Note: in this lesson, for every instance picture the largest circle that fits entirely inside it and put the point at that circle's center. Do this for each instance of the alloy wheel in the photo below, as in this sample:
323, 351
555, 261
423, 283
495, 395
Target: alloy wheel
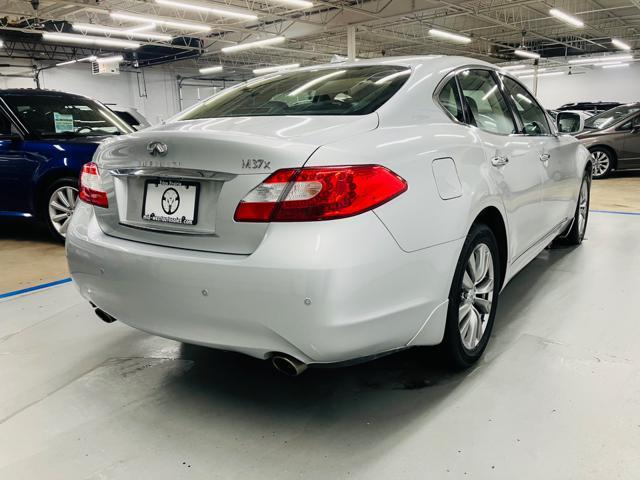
583, 207
61, 205
601, 162
476, 296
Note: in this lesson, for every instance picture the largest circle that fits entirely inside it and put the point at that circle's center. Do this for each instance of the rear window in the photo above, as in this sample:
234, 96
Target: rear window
326, 91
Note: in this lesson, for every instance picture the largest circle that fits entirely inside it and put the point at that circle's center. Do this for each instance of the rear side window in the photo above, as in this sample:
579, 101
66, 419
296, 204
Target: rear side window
325, 91
450, 100
533, 117
486, 104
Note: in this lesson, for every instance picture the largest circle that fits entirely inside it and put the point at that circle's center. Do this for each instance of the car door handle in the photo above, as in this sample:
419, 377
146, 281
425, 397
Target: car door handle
545, 157
499, 161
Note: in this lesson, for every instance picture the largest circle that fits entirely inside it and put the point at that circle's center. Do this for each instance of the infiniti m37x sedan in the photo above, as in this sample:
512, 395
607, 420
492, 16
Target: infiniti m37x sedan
330, 213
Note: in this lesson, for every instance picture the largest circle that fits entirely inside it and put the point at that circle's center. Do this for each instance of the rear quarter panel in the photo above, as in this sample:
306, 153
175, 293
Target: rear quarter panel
420, 218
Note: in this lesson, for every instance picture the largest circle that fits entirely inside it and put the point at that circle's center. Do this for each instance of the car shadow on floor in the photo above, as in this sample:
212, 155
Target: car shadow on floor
18, 229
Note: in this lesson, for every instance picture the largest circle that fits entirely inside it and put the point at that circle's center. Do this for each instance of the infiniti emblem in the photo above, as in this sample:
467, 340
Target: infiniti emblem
157, 149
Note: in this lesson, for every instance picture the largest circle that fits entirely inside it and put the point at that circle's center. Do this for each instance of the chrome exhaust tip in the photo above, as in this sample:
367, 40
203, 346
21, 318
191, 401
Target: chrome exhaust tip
288, 365
104, 316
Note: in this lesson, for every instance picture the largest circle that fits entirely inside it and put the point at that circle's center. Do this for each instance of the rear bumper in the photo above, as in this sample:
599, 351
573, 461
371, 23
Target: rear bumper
330, 292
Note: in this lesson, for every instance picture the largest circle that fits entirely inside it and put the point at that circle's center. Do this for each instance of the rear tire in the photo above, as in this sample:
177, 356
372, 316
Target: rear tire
602, 160
59, 201
578, 227
473, 298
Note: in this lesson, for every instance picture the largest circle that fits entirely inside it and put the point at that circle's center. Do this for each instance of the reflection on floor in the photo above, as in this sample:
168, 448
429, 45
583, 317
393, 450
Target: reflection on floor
555, 397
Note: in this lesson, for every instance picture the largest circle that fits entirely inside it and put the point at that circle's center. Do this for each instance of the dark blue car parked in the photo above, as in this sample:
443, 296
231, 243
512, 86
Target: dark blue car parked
45, 139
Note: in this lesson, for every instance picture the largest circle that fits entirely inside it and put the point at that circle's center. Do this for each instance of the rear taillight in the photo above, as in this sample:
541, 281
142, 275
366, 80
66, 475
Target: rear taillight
319, 193
91, 186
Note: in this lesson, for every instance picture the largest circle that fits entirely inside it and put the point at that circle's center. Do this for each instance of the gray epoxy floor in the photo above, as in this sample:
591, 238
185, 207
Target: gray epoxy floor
557, 395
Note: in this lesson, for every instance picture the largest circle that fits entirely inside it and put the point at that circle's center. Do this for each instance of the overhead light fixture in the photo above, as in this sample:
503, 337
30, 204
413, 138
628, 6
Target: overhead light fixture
180, 25
548, 74
196, 7
525, 53
91, 28
620, 44
88, 40
294, 3
614, 65
112, 59
565, 17
531, 70
258, 44
217, 68
597, 60
91, 58
142, 28
276, 68
453, 37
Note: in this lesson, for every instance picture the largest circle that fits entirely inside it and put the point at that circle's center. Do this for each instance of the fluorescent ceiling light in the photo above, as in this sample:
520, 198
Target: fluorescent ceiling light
565, 17
523, 98
294, 3
525, 53
595, 60
216, 68
91, 28
276, 68
620, 44
112, 59
91, 58
196, 7
390, 77
615, 65
196, 27
434, 32
549, 74
258, 44
142, 28
315, 81
87, 40
531, 70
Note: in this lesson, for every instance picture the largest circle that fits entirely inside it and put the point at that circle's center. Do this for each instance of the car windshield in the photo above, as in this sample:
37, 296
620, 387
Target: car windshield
610, 117
58, 115
326, 91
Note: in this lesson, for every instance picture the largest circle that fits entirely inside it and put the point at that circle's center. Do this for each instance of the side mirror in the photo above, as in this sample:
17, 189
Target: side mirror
569, 122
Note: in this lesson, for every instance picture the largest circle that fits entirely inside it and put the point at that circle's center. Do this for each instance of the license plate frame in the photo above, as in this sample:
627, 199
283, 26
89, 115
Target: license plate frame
170, 218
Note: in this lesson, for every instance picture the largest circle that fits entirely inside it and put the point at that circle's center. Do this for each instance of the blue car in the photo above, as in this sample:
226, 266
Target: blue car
45, 139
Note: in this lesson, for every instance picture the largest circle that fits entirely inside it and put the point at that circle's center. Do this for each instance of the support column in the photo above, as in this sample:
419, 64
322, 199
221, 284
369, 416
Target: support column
351, 42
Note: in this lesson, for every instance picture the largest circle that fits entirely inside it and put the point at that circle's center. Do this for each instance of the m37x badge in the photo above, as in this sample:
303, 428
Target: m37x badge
157, 149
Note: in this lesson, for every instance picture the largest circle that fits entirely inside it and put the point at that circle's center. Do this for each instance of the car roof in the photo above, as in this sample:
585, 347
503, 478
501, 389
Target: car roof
35, 92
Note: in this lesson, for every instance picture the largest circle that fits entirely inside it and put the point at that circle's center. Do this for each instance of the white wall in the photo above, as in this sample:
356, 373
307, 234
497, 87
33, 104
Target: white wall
161, 88
614, 84
160, 103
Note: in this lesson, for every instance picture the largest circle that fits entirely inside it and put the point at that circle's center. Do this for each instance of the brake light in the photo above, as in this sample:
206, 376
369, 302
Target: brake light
319, 193
91, 186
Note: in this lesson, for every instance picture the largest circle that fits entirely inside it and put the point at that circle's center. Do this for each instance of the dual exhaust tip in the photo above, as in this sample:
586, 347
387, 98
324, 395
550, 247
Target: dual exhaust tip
283, 363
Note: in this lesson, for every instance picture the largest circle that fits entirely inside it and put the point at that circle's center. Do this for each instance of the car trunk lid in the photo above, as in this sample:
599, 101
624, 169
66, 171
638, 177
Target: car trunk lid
223, 158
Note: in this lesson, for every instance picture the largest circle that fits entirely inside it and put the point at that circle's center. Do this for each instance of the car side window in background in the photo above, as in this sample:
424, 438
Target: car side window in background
532, 115
486, 104
450, 100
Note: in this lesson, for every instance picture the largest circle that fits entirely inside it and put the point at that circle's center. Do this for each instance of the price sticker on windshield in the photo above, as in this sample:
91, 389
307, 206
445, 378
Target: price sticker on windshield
63, 122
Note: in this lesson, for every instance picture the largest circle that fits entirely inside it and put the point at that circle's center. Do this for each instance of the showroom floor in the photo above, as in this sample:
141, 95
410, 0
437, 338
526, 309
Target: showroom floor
555, 396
